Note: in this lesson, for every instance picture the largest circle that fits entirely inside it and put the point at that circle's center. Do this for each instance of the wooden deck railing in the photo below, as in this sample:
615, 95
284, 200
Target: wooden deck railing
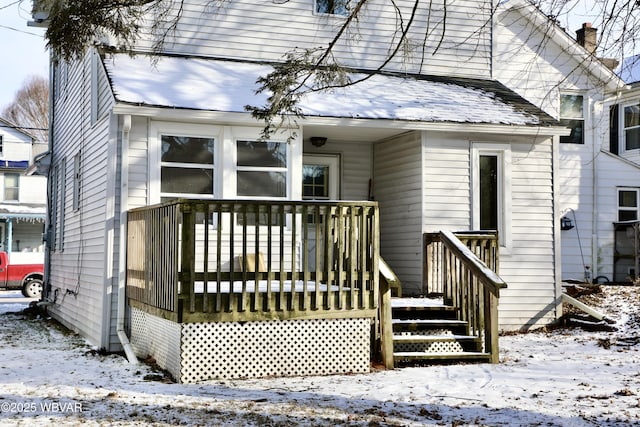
226, 260
462, 267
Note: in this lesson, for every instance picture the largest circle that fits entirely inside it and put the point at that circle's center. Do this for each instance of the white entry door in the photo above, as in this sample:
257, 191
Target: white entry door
321, 177
320, 181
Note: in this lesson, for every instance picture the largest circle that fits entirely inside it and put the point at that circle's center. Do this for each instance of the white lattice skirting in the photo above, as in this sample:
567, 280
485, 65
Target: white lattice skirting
194, 352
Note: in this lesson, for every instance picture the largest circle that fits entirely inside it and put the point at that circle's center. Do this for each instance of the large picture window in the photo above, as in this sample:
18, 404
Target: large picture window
631, 127
187, 167
261, 169
572, 116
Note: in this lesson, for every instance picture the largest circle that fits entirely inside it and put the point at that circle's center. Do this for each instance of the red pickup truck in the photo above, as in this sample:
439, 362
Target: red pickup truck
17, 275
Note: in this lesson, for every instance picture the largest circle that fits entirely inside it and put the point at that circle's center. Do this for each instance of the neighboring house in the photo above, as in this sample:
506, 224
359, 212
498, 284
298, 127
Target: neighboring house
462, 137
599, 165
22, 198
618, 225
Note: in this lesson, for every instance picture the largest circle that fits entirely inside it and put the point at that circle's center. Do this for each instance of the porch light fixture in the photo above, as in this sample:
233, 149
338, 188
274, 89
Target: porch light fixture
566, 223
318, 141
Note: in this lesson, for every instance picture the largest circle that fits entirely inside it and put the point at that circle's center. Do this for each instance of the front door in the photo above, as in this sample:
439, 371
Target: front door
320, 181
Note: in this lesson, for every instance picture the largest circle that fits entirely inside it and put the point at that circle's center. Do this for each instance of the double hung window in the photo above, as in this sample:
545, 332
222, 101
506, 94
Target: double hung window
631, 127
261, 169
572, 116
187, 167
628, 204
11, 187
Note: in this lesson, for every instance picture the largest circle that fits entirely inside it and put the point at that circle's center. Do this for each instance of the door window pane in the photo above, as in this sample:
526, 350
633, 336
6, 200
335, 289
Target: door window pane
315, 182
489, 192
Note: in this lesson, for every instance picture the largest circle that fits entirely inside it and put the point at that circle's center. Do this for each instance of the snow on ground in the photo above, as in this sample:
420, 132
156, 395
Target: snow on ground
561, 377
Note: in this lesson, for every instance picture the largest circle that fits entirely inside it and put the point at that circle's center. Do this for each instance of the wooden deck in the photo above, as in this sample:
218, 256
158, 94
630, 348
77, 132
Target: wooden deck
195, 261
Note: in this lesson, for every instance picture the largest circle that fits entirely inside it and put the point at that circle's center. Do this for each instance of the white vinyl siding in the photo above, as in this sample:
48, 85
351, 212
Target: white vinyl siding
77, 275
529, 266
527, 262
398, 169
529, 62
447, 183
240, 30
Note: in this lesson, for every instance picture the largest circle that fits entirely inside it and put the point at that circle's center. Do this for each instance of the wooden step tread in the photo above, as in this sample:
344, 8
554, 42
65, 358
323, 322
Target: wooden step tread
410, 303
433, 338
400, 309
422, 355
450, 322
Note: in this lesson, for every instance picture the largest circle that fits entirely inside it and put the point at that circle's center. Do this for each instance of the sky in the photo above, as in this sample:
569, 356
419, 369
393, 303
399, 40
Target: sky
21, 47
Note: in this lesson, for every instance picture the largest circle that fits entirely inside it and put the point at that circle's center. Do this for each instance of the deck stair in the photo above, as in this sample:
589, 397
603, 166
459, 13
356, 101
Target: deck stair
425, 329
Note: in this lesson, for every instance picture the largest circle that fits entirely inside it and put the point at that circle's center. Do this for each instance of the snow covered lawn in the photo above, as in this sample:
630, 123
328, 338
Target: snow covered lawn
563, 377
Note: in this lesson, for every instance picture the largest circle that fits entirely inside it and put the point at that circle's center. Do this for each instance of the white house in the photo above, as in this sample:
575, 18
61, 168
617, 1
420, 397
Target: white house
598, 163
22, 198
457, 134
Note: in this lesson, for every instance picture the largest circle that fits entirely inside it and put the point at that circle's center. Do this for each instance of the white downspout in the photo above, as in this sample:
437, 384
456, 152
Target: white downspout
594, 211
122, 260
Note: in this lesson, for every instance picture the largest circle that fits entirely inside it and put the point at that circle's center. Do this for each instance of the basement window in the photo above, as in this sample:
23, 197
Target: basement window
333, 7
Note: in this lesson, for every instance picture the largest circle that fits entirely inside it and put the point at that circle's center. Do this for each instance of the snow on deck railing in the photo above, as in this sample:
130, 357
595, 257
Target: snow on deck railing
246, 260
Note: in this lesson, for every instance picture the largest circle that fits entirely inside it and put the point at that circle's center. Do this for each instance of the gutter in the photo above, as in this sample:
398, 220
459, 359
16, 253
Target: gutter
124, 195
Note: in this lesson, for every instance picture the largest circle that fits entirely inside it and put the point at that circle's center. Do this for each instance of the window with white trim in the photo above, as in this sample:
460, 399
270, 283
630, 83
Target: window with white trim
262, 169
628, 204
332, 7
492, 190
187, 167
631, 126
11, 187
1, 145
572, 116
77, 180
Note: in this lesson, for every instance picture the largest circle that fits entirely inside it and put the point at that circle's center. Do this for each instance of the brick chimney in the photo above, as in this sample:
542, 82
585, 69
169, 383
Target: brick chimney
587, 37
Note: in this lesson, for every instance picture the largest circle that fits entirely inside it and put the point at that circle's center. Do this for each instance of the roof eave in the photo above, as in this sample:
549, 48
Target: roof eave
171, 113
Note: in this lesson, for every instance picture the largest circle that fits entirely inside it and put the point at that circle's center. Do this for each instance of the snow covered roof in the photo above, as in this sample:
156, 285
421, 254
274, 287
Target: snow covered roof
629, 69
23, 211
227, 86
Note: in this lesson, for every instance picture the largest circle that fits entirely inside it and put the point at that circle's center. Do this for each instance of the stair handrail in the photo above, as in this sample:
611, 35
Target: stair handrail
487, 317
486, 275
